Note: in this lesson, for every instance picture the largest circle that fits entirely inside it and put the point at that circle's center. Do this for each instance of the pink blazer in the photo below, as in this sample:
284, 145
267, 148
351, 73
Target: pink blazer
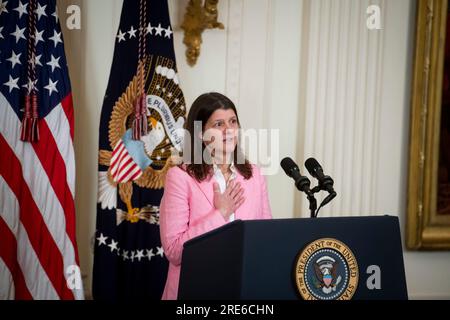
187, 211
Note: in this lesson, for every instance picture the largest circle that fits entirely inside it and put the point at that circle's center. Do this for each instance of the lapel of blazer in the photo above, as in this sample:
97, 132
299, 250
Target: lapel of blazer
206, 188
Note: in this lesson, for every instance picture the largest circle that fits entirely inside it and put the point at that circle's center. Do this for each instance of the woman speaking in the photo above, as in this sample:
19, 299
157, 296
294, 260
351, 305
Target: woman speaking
215, 186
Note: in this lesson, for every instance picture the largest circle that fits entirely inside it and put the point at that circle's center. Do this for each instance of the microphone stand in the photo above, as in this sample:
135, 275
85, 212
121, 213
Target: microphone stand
314, 190
312, 204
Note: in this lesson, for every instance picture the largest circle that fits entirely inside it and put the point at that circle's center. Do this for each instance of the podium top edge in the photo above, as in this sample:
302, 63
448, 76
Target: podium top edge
240, 224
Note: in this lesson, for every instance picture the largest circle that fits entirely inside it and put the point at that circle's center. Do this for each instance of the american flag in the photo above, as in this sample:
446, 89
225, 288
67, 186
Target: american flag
38, 252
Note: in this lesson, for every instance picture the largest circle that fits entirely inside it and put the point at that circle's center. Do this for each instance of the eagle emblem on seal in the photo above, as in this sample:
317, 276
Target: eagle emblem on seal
326, 272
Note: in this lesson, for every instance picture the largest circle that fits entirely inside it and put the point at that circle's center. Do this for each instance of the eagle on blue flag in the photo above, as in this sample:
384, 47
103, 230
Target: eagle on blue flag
141, 127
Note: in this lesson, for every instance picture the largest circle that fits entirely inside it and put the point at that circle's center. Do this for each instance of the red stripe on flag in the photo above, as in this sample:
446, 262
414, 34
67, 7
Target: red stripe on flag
67, 106
114, 163
41, 239
131, 169
136, 175
121, 157
55, 168
8, 252
123, 166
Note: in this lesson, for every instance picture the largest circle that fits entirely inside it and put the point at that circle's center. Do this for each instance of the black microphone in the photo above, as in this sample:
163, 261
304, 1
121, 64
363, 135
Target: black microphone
301, 182
314, 169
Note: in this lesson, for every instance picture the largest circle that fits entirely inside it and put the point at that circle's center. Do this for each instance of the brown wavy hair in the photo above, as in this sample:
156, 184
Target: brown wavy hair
201, 110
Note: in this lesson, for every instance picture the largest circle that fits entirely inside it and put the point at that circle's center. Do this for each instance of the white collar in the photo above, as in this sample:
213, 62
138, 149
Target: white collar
232, 167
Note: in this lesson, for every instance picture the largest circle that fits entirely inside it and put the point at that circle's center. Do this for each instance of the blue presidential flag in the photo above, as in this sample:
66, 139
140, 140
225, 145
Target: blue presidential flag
140, 129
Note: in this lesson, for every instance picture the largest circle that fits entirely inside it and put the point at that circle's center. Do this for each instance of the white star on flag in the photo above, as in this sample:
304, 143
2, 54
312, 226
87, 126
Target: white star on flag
149, 254
12, 83
30, 85
132, 32
121, 36
37, 60
1, 36
168, 32
149, 28
52, 87
54, 62
15, 59
39, 36
40, 11
18, 33
3, 6
55, 14
158, 30
56, 38
160, 251
139, 254
102, 238
21, 9
113, 245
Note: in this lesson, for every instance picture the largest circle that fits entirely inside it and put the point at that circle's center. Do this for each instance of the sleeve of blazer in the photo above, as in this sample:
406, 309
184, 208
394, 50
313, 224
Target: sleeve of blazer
175, 226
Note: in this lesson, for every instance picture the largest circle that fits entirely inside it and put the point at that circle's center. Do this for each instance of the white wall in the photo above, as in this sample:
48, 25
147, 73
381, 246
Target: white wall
89, 53
255, 61
265, 60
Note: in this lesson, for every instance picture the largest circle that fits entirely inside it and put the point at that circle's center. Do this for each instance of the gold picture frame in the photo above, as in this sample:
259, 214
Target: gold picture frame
425, 228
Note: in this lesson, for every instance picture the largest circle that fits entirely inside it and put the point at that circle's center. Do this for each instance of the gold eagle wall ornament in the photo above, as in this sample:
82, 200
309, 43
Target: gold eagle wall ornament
198, 17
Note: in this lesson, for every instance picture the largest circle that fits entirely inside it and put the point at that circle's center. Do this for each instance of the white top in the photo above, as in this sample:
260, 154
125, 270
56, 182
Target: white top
220, 178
